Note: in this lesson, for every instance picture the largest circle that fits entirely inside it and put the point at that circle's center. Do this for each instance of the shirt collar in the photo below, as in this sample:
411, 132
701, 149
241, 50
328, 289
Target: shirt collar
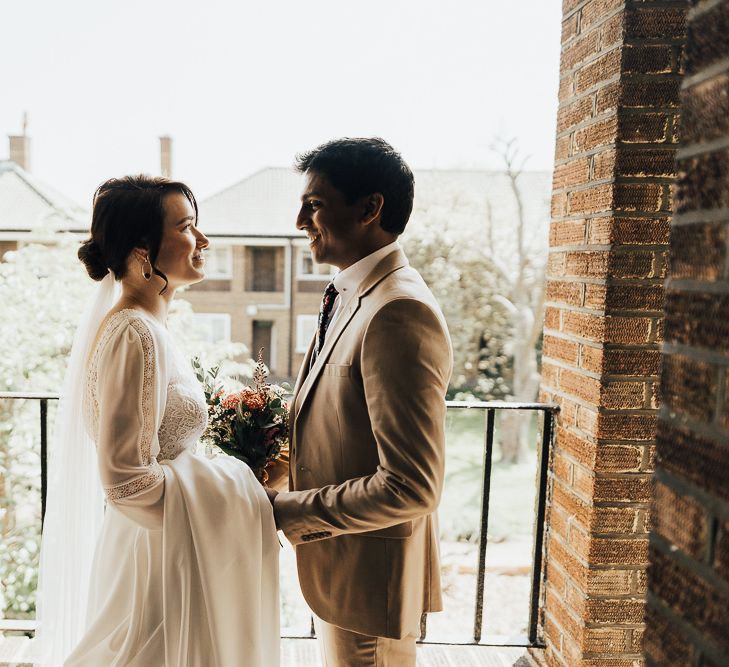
347, 281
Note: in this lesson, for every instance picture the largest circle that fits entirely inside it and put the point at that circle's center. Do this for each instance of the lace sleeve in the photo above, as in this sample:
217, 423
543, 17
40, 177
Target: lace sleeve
127, 399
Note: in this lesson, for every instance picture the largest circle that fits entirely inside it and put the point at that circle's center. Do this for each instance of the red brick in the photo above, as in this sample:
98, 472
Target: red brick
626, 330
698, 251
656, 23
689, 386
607, 97
600, 133
633, 231
623, 395
580, 50
708, 43
559, 205
633, 297
595, 11
614, 520
610, 582
634, 265
603, 164
591, 358
643, 128
698, 320
664, 642
681, 520
696, 601
626, 426
702, 182
595, 296
573, 114
632, 362
611, 32
648, 59
703, 111
603, 68
584, 325
618, 551
612, 612
707, 466
591, 200
580, 449
628, 488
552, 317
558, 348
638, 197
651, 93
570, 232
586, 264
569, 28
580, 385
571, 173
562, 148
564, 292
655, 163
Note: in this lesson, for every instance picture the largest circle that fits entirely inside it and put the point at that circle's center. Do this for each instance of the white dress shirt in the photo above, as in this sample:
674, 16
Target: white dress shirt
348, 281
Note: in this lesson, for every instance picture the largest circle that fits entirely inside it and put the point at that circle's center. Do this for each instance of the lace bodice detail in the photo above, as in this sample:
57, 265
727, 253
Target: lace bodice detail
185, 416
185, 410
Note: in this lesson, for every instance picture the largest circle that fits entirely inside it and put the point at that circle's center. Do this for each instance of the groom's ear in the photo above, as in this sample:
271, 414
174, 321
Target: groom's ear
372, 208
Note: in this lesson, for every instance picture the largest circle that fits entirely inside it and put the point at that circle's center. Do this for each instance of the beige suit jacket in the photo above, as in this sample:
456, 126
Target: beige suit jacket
367, 458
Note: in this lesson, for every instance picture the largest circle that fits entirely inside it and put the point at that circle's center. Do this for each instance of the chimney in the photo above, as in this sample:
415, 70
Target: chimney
165, 156
20, 146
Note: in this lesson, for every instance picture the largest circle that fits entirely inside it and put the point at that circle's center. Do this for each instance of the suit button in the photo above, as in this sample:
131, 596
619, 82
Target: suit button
302, 469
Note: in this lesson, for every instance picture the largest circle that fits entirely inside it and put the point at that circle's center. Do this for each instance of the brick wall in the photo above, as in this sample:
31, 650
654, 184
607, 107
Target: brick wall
614, 166
688, 598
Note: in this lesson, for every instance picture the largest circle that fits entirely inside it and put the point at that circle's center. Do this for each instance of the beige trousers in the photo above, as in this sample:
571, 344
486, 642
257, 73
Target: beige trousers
344, 648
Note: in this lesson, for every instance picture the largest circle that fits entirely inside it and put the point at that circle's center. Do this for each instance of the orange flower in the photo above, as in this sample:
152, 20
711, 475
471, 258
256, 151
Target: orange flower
231, 402
252, 400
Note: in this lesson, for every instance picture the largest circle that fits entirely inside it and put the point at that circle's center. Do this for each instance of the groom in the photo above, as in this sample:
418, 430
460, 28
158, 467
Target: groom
367, 419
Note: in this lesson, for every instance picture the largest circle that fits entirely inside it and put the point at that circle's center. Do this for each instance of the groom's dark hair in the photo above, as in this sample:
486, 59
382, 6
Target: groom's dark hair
358, 167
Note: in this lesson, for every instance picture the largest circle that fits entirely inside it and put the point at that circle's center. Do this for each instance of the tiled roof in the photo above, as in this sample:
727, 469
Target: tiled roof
26, 204
266, 203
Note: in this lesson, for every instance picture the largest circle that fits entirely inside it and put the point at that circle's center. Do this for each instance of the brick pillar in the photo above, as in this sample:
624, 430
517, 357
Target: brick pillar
611, 206
688, 582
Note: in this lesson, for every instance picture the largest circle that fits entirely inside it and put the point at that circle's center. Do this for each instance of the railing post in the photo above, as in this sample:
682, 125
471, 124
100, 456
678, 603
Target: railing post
540, 509
483, 535
44, 456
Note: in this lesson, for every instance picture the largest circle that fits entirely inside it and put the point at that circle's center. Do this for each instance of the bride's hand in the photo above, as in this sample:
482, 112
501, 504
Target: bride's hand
278, 474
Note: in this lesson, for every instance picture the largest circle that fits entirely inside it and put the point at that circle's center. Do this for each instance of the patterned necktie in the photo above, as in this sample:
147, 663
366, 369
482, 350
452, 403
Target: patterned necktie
327, 303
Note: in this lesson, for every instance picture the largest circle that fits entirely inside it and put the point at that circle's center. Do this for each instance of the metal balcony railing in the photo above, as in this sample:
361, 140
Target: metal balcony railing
489, 408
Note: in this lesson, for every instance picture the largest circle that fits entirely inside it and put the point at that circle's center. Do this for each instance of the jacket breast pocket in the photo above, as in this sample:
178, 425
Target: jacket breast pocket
337, 370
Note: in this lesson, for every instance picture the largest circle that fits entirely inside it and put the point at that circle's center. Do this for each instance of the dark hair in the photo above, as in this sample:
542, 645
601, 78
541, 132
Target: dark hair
360, 167
128, 213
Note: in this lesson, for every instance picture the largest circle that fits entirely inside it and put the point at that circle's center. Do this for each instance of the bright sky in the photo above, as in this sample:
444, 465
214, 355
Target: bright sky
241, 85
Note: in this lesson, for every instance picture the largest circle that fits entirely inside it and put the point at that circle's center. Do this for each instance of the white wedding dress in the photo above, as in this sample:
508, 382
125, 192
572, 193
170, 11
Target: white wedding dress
185, 572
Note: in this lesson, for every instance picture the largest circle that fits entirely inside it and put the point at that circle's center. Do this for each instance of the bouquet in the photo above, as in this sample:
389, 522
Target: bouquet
251, 424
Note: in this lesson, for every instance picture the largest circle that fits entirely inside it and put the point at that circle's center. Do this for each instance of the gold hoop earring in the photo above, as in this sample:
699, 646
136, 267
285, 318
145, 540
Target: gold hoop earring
147, 275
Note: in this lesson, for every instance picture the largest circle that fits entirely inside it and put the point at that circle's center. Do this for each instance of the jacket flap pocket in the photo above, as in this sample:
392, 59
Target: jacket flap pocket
398, 531
337, 370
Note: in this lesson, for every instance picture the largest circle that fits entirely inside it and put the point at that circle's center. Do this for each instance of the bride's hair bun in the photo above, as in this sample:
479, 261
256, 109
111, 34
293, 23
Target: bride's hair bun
90, 254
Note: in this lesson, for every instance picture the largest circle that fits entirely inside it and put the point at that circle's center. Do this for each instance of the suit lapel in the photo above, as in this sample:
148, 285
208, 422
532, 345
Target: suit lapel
395, 260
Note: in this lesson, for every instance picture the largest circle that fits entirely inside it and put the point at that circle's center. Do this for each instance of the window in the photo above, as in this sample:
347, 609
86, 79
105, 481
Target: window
305, 330
264, 269
212, 327
310, 270
219, 263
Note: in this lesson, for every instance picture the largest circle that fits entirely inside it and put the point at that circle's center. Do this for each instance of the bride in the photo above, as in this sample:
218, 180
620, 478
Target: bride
181, 567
